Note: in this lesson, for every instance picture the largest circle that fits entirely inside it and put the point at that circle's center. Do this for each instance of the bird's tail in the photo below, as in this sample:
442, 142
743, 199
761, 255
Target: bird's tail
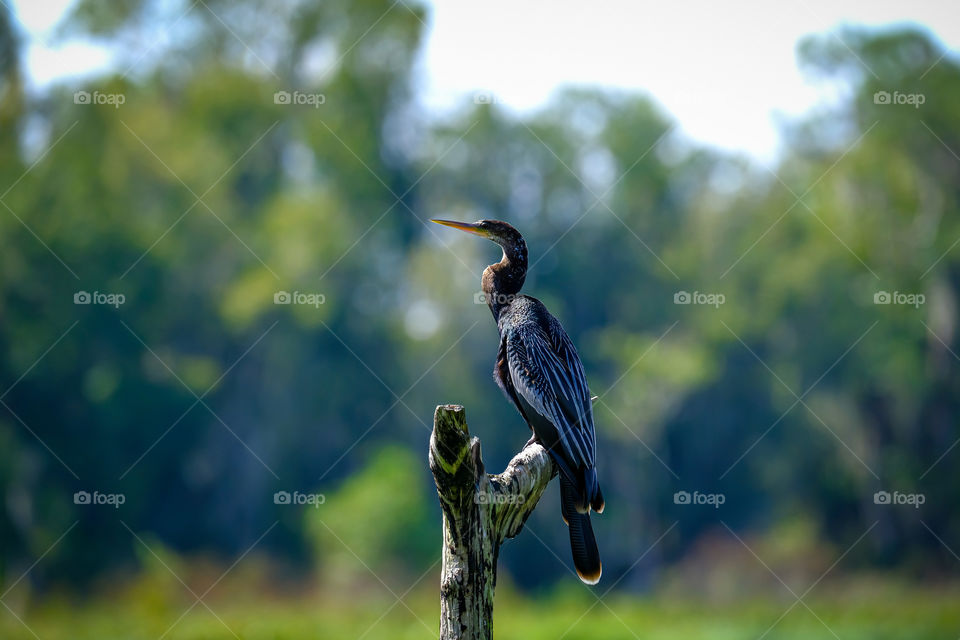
593, 494
583, 544
588, 495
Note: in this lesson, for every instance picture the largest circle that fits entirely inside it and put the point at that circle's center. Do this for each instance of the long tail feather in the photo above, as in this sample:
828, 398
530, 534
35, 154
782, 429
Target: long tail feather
583, 544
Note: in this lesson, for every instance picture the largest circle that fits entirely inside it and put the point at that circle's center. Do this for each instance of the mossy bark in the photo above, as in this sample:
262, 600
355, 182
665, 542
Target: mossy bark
480, 511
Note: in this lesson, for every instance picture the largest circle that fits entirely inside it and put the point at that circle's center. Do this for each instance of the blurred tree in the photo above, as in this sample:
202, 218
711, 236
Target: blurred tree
207, 192
378, 516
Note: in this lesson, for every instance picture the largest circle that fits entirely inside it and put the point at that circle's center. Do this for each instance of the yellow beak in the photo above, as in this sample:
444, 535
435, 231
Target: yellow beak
469, 227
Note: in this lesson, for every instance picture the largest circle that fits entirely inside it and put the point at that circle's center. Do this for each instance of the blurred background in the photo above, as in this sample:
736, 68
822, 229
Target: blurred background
226, 320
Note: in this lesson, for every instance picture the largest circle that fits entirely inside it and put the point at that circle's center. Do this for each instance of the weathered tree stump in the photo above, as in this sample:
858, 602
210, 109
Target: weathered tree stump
480, 511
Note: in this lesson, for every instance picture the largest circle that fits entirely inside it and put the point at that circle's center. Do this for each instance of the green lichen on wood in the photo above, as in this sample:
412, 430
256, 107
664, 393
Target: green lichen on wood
479, 512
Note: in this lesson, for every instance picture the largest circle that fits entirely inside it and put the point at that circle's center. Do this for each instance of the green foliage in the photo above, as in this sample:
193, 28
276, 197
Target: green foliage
378, 517
201, 197
868, 610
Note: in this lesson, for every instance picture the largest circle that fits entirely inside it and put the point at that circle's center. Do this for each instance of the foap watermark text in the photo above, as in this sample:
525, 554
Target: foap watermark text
898, 498
96, 498
299, 499
96, 97
712, 499
299, 98
483, 497
99, 297
912, 299
897, 97
299, 297
486, 97
699, 297
496, 298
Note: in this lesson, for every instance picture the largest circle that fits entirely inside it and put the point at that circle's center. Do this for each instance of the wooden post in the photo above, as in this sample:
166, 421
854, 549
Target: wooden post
480, 511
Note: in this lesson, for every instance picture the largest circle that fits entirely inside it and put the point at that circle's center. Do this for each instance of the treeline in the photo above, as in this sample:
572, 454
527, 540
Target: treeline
783, 338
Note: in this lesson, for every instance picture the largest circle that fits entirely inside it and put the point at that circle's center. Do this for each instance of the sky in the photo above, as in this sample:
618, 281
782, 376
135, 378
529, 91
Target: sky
726, 71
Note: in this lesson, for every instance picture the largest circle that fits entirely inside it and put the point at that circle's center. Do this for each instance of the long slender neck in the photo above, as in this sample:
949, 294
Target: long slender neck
503, 280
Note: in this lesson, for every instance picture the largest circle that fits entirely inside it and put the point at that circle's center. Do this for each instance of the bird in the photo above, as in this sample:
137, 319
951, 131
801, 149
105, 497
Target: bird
539, 370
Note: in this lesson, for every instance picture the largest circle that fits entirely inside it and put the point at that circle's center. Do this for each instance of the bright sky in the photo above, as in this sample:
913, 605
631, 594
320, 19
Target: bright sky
724, 70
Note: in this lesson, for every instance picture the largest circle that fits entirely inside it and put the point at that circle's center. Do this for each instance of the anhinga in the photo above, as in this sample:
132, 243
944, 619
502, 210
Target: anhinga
539, 370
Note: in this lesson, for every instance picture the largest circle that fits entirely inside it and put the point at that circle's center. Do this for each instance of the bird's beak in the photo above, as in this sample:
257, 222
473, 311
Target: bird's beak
469, 227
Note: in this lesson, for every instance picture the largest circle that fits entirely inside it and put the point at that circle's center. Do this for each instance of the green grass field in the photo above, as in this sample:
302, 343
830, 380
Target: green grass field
864, 610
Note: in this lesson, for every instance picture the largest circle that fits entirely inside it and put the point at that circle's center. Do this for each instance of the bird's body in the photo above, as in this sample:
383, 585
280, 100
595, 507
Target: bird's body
537, 356
539, 370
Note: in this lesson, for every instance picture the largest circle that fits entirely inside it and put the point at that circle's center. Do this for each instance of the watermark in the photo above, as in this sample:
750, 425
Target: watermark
494, 298
296, 498
484, 497
112, 499
85, 97
486, 97
98, 297
913, 99
697, 297
712, 499
912, 299
913, 499
299, 297
299, 98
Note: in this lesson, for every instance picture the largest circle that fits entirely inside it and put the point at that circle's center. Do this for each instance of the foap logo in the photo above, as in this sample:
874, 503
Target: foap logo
299, 499
497, 298
299, 98
912, 99
897, 498
98, 297
486, 97
912, 299
485, 497
299, 297
712, 499
697, 297
96, 498
112, 99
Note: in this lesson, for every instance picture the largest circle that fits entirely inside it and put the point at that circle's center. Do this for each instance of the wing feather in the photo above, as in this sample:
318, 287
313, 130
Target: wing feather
548, 374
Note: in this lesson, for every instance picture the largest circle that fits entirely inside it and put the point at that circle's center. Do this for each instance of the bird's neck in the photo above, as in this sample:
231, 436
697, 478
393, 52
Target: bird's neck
502, 281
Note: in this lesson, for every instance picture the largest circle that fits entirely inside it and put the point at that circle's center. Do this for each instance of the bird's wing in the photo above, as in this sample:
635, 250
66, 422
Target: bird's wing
551, 380
583, 406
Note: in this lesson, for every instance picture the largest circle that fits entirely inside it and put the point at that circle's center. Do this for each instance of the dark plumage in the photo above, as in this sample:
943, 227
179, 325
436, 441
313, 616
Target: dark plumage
539, 370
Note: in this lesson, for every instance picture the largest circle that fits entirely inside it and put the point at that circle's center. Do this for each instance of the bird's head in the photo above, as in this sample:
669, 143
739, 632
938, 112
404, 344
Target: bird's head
507, 276
498, 231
